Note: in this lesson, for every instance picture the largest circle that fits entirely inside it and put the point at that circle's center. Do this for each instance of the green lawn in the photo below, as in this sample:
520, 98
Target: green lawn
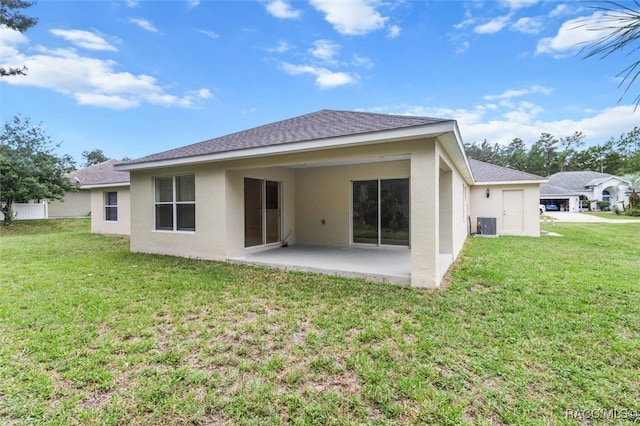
528, 328
612, 215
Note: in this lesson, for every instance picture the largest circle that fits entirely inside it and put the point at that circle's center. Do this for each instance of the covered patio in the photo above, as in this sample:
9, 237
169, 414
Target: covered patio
386, 265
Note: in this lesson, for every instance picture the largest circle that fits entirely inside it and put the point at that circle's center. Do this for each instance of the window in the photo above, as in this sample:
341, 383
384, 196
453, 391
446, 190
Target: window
380, 212
175, 203
111, 206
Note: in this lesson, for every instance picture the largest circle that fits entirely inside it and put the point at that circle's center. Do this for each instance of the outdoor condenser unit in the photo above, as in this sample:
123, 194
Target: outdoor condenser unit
487, 225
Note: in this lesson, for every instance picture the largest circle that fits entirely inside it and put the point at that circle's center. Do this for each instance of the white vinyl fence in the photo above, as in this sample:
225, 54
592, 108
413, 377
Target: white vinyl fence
26, 211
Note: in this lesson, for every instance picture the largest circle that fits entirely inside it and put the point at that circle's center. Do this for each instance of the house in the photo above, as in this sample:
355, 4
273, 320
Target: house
576, 191
506, 195
381, 186
103, 194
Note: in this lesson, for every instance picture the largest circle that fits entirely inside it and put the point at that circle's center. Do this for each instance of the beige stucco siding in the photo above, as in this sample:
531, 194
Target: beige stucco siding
324, 193
316, 187
98, 223
74, 204
235, 205
208, 242
481, 206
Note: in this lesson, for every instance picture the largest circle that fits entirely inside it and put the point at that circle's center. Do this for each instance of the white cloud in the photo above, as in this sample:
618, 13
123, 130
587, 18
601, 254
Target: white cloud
575, 34
325, 79
209, 33
362, 61
282, 9
354, 17
325, 50
501, 124
393, 31
132, 3
493, 26
518, 4
84, 39
527, 25
144, 24
193, 3
463, 47
89, 81
513, 93
282, 47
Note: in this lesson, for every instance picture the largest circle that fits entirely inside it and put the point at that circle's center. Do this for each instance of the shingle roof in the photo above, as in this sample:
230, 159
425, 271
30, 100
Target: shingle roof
99, 174
317, 125
486, 172
551, 190
575, 181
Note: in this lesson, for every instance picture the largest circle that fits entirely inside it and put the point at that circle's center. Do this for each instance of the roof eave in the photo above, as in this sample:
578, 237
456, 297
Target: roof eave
427, 130
104, 185
510, 182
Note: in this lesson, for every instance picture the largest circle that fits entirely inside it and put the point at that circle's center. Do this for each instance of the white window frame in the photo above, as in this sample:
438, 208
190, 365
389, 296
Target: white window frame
173, 203
108, 206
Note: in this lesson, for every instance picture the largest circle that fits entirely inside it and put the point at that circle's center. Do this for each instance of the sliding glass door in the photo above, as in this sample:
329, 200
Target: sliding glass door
262, 208
380, 212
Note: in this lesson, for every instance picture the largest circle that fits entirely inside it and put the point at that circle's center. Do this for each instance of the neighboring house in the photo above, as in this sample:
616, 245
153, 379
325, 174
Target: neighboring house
330, 178
576, 191
103, 194
509, 196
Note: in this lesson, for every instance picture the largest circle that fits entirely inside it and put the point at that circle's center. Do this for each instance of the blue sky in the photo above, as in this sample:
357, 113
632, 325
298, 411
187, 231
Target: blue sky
135, 77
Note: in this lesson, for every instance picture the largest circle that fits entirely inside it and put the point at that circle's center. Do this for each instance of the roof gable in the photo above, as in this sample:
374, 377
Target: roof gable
319, 125
99, 174
576, 181
491, 173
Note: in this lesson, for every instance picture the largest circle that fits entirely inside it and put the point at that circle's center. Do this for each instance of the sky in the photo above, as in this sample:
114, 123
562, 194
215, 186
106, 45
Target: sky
136, 77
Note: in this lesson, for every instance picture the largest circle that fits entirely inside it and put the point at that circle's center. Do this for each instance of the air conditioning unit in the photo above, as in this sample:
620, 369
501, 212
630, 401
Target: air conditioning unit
487, 226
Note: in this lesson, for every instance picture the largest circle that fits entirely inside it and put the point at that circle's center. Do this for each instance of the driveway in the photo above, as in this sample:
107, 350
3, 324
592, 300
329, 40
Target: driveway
585, 218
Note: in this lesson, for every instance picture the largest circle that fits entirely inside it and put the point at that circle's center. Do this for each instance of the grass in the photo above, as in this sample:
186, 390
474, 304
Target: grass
612, 215
91, 334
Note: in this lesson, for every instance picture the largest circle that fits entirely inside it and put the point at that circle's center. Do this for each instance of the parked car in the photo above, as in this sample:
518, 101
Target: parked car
551, 207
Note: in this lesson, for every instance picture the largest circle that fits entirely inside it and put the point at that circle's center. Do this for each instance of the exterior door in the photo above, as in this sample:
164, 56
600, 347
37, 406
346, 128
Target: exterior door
262, 212
512, 212
380, 212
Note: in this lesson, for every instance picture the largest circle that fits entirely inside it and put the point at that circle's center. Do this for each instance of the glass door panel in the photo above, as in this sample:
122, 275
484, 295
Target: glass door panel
365, 212
394, 212
272, 203
252, 212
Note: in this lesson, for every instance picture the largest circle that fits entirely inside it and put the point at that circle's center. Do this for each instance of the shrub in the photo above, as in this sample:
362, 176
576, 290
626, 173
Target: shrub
633, 211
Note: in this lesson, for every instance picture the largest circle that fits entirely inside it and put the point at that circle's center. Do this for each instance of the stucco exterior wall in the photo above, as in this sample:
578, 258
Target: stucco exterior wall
74, 204
457, 224
208, 242
98, 223
316, 186
481, 206
324, 193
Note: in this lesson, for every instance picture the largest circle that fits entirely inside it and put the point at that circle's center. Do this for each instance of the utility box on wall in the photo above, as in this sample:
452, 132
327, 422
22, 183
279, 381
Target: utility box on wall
487, 225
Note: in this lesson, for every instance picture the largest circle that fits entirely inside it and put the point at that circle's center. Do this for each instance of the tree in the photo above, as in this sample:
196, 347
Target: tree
634, 197
29, 168
93, 157
11, 16
621, 24
514, 155
569, 143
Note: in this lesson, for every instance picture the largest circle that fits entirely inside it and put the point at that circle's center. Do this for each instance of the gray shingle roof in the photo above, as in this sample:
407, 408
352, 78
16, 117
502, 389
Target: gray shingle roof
575, 181
551, 190
99, 174
486, 172
317, 125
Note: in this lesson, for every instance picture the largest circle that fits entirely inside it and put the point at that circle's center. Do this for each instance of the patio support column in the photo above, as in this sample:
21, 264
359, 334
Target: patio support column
424, 215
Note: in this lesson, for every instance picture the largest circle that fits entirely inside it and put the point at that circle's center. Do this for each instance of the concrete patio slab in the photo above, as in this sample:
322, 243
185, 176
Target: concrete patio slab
386, 265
